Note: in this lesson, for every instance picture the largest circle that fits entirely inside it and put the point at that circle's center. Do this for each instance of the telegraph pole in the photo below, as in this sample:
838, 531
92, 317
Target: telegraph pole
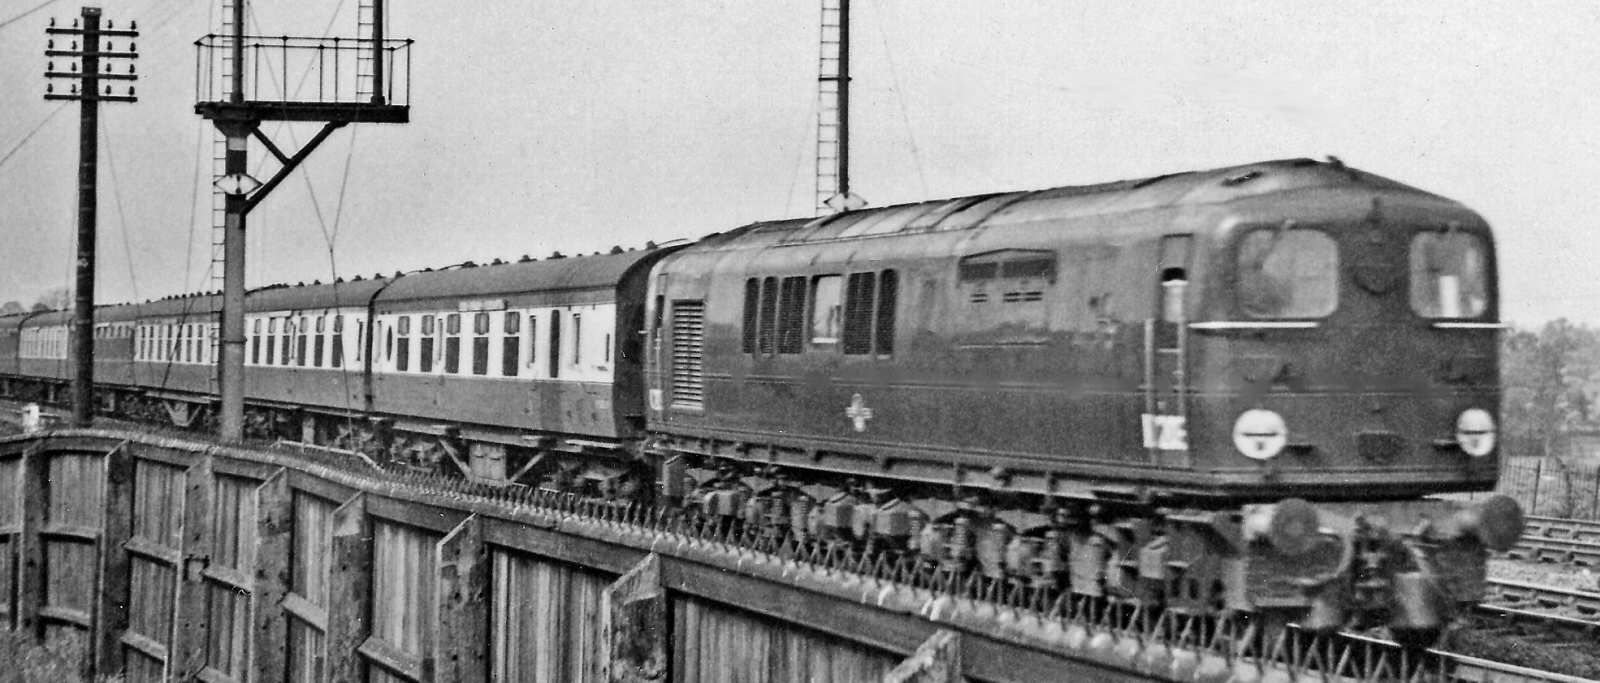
87, 92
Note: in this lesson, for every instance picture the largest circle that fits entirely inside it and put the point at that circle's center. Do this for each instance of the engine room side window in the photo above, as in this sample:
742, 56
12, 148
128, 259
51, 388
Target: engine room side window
752, 299
826, 312
769, 316
1449, 275
1288, 273
792, 315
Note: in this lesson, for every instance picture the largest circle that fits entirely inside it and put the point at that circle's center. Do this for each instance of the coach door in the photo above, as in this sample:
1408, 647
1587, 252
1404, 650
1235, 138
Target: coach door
1165, 387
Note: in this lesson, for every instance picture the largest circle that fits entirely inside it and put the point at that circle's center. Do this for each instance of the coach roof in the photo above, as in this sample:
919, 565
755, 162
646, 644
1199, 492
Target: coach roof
550, 275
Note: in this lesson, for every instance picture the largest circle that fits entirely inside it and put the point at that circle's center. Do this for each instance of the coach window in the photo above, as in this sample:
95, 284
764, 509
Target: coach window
272, 336
255, 342
452, 344
1449, 275
555, 344
533, 344
577, 339
825, 309
510, 345
319, 345
302, 337
425, 345
402, 344
337, 359
480, 344
1288, 273
285, 344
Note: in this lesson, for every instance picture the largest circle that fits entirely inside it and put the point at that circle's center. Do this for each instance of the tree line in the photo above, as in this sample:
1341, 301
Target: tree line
1551, 386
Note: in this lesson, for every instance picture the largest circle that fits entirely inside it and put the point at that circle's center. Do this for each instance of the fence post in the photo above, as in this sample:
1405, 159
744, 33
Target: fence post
188, 653
937, 660
463, 605
349, 591
115, 567
1538, 481
274, 541
633, 625
30, 553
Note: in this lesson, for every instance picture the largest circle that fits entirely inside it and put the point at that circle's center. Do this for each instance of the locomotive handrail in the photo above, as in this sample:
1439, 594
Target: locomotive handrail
1255, 325
1470, 326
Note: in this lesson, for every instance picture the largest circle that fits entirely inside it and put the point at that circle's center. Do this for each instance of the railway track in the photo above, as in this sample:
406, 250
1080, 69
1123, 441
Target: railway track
1558, 540
1580, 608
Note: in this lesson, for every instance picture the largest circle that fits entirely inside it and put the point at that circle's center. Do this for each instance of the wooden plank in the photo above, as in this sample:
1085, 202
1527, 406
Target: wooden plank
274, 538
116, 571
439, 520
237, 467
350, 591
30, 555
463, 648
319, 487
189, 643
600, 555
306, 611
162, 454
633, 626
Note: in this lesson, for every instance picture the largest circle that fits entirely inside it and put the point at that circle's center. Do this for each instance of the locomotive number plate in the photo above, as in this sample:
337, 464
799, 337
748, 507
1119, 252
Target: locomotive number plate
1166, 432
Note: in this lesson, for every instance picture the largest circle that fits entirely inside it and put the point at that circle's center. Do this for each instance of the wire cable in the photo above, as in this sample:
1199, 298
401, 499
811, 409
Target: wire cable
25, 13
900, 98
122, 217
31, 133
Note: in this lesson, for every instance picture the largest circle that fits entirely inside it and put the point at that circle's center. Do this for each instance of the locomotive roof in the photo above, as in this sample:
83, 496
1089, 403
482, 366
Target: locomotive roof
1187, 188
565, 274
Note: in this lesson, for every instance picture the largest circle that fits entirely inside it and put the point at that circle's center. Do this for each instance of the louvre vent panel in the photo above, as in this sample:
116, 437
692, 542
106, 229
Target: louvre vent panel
688, 352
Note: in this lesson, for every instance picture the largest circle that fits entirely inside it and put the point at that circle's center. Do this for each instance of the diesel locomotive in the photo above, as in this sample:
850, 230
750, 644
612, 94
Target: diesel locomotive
1207, 392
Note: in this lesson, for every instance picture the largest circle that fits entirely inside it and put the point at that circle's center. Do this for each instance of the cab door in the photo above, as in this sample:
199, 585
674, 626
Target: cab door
1165, 382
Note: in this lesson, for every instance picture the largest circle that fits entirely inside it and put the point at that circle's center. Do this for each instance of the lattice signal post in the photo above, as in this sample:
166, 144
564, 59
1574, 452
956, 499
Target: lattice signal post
233, 100
86, 90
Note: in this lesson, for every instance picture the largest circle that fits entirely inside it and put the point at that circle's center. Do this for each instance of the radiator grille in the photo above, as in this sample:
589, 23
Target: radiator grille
688, 349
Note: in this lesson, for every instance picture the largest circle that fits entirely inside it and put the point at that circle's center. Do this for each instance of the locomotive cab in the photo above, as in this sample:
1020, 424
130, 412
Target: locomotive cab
1351, 354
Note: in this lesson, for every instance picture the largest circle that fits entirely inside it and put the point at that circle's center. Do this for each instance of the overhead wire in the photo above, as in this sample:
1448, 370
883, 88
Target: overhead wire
122, 217
900, 98
25, 13
29, 136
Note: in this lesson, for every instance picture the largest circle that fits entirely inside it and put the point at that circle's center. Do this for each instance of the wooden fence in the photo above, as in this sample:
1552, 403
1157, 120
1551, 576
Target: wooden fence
175, 561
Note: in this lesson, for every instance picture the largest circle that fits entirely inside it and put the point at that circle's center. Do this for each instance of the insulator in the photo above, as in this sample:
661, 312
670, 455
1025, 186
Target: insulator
74, 25
49, 44
108, 90
50, 66
110, 47
74, 66
49, 87
108, 67
133, 47
130, 91
74, 46
74, 88
109, 24
52, 21
130, 68
133, 25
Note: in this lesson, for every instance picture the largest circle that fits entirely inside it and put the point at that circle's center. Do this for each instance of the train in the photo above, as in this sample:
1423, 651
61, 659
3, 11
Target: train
1243, 389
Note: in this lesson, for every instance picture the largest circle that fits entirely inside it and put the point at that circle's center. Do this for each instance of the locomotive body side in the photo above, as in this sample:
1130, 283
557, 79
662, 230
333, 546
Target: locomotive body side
1025, 342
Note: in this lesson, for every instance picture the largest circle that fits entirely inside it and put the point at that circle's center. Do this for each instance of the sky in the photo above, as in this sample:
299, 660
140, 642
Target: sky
560, 125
